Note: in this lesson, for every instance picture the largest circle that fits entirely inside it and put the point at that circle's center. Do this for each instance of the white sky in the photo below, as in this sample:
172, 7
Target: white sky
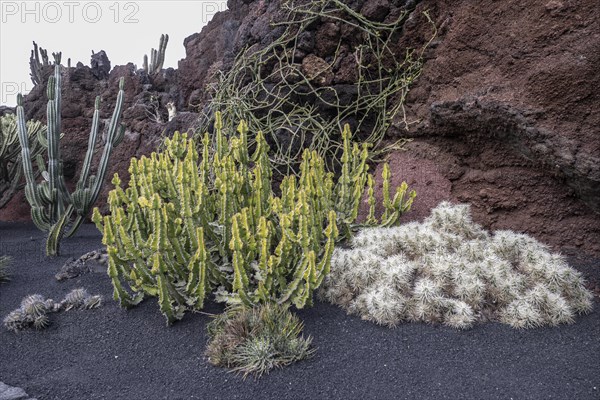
125, 30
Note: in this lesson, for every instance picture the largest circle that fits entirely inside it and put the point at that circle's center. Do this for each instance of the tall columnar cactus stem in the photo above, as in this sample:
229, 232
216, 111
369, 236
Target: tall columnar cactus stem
157, 57
11, 171
52, 205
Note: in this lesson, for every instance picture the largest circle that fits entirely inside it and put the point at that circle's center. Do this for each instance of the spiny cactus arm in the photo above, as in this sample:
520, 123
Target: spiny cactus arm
162, 50
236, 245
87, 161
387, 203
359, 177
61, 186
166, 303
324, 266
197, 282
39, 214
399, 205
127, 246
119, 293
157, 57
295, 289
56, 200
57, 232
343, 186
371, 220
114, 136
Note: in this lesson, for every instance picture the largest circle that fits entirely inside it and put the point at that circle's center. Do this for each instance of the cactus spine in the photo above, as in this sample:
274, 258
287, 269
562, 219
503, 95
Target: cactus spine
52, 206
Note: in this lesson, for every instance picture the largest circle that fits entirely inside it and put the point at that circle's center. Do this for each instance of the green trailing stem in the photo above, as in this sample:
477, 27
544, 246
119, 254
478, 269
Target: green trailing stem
53, 207
269, 87
191, 224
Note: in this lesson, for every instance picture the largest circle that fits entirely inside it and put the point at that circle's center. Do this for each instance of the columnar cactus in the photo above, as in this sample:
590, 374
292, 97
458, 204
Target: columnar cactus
11, 171
185, 227
36, 66
53, 208
157, 57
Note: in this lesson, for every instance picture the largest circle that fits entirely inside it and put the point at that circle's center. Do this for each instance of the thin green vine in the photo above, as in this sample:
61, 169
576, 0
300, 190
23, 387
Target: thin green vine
288, 107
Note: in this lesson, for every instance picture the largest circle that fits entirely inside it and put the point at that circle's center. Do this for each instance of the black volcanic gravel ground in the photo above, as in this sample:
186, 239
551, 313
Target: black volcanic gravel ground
111, 353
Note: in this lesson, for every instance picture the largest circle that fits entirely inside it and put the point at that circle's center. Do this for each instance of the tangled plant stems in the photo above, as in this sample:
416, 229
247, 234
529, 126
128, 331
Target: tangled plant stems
270, 88
256, 340
449, 270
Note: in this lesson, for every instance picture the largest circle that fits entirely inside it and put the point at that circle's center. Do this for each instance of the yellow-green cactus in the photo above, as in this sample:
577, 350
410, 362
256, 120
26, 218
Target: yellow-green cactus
185, 227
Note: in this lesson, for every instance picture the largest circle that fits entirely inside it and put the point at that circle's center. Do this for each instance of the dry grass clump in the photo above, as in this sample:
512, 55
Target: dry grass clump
449, 270
34, 309
256, 340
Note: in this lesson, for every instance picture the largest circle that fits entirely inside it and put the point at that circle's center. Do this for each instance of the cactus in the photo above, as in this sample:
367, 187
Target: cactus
36, 66
10, 153
35, 309
184, 228
157, 57
448, 269
53, 208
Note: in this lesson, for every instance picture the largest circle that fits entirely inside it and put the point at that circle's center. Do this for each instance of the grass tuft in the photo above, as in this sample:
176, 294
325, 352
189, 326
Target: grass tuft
254, 341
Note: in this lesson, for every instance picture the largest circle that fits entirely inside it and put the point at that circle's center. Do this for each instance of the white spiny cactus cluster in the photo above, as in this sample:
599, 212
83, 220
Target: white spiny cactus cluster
449, 270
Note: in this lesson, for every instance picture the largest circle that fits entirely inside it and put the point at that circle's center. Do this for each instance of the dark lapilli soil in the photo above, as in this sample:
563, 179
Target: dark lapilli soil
111, 353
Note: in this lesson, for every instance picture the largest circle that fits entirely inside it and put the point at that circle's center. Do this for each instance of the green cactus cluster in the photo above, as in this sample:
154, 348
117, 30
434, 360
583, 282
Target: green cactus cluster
53, 207
189, 224
11, 172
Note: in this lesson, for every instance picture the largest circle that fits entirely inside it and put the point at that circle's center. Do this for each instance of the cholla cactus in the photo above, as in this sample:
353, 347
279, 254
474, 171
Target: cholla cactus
184, 228
11, 171
35, 309
449, 270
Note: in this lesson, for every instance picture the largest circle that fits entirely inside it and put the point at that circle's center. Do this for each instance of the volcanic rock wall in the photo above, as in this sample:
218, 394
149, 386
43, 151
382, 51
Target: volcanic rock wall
505, 112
